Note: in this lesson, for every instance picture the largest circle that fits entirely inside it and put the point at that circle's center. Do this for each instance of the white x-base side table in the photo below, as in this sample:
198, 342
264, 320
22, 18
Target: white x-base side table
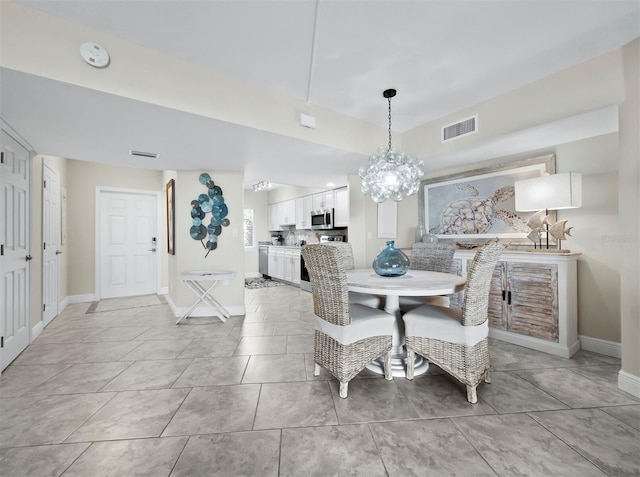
195, 279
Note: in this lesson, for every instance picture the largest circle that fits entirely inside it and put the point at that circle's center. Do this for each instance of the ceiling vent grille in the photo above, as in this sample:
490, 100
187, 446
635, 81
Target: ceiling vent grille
153, 155
459, 129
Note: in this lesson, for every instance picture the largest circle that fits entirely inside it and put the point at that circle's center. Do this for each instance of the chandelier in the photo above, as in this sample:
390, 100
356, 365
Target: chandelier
261, 185
390, 173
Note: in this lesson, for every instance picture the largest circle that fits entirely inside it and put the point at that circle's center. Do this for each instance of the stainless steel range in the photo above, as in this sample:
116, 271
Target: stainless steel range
305, 283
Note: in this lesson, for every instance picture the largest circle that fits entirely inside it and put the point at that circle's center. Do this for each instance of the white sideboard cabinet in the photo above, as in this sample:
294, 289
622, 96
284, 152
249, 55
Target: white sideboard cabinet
533, 300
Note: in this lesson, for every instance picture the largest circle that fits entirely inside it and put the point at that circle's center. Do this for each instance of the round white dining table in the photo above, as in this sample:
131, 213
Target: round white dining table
413, 283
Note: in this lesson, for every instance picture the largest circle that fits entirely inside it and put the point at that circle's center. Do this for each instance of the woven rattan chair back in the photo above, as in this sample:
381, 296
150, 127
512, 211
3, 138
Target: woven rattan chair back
476, 290
328, 283
435, 257
347, 253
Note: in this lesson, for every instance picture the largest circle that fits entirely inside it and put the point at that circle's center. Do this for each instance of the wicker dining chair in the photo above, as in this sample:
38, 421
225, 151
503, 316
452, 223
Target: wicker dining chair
374, 301
433, 256
456, 340
348, 336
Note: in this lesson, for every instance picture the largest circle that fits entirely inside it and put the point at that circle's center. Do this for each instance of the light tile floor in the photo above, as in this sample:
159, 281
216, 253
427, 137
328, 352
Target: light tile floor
120, 390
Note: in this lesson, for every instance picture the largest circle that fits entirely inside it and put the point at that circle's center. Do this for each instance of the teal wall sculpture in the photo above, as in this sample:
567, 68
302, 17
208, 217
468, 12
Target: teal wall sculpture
211, 202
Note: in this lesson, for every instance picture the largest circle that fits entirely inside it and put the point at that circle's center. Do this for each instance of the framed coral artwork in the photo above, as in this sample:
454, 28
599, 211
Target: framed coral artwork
479, 203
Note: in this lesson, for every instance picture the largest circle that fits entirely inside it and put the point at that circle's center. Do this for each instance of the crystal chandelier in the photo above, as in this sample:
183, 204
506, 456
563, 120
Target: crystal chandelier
261, 185
390, 173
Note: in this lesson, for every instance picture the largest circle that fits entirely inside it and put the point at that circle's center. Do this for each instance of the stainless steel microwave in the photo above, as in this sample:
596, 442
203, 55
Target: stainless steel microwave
322, 219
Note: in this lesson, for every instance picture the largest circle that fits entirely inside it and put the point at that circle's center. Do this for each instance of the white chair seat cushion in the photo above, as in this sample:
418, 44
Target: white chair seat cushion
365, 323
444, 324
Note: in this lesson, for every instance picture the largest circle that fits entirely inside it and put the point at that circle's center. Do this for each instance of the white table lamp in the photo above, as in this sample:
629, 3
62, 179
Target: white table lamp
556, 191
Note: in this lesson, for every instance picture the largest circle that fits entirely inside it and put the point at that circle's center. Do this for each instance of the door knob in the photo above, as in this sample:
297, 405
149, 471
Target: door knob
151, 250
58, 252
28, 257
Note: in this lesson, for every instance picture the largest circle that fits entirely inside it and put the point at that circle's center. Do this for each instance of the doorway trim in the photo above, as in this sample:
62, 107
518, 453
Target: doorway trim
99, 191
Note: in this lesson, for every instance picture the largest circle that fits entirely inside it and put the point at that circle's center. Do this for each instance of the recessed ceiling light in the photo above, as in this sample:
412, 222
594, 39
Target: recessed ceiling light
330, 184
153, 155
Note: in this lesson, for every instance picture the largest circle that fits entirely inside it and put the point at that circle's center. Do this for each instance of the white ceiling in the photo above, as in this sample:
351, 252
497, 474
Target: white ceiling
441, 56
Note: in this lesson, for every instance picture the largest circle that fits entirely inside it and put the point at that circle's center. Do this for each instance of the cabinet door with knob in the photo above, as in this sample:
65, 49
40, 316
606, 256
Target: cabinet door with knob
523, 299
533, 301
304, 207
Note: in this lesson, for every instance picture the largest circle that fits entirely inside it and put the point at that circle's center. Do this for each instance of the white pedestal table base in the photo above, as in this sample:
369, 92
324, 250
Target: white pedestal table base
398, 350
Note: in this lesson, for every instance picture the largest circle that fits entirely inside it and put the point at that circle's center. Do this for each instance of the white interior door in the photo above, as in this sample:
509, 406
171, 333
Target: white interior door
128, 244
14, 249
51, 242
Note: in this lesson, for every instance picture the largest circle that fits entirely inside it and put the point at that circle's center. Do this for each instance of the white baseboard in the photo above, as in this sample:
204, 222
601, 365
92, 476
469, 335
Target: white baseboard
171, 304
36, 330
62, 304
536, 343
629, 383
88, 298
596, 345
164, 291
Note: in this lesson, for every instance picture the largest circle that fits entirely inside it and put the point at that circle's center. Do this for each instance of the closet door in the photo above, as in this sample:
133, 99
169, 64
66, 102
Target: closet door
14, 248
50, 243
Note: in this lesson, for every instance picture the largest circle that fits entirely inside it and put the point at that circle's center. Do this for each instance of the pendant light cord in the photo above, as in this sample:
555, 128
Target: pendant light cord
389, 99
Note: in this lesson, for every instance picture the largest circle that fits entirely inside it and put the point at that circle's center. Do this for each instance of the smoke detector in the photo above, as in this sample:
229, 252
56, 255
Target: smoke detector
94, 55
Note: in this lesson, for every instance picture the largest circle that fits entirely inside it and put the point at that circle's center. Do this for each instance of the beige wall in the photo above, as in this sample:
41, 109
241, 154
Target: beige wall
82, 180
594, 225
629, 198
189, 253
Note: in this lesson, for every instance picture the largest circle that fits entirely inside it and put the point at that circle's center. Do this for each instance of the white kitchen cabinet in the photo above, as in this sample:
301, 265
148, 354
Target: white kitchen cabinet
276, 262
323, 200
273, 211
292, 266
317, 201
284, 264
533, 300
287, 212
282, 214
304, 206
271, 270
341, 207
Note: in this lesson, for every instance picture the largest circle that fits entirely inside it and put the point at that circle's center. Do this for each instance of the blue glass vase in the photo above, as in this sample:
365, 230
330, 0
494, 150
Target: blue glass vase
391, 262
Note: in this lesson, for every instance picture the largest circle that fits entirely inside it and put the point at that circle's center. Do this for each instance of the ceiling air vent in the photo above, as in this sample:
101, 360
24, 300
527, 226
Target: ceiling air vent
459, 129
152, 155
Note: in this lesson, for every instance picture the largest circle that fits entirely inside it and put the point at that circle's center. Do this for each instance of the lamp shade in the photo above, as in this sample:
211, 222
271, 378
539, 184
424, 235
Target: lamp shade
556, 191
